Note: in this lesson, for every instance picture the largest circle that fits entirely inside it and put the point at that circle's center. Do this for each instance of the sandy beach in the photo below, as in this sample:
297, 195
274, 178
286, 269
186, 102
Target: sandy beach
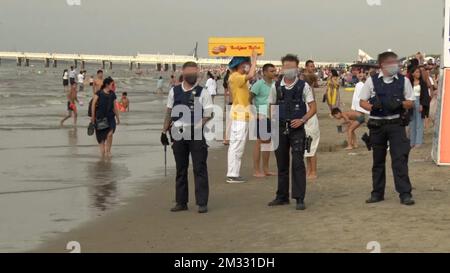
336, 220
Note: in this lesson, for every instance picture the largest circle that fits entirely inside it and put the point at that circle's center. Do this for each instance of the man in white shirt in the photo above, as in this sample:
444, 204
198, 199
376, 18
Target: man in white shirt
296, 104
387, 95
72, 75
81, 81
189, 107
211, 85
358, 88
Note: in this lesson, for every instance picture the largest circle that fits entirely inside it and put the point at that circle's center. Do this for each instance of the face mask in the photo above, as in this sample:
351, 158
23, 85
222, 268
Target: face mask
246, 68
191, 79
290, 74
392, 69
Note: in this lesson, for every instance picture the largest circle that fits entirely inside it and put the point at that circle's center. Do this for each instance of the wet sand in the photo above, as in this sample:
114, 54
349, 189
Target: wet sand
52, 179
336, 220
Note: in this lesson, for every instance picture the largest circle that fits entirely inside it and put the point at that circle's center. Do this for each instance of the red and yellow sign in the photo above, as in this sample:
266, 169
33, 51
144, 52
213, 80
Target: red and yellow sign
235, 46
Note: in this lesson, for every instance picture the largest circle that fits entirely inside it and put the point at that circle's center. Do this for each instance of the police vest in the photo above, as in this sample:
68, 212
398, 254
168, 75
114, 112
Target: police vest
290, 102
191, 100
387, 92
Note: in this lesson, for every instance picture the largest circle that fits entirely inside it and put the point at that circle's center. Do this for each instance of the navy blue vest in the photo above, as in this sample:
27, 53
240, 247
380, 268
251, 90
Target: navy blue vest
190, 99
290, 102
387, 92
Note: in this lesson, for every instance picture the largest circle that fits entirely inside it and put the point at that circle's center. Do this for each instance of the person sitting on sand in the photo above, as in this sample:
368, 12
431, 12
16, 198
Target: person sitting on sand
353, 120
72, 99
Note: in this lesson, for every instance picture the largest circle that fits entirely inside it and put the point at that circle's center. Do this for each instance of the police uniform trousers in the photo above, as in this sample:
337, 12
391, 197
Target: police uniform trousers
291, 145
198, 149
399, 146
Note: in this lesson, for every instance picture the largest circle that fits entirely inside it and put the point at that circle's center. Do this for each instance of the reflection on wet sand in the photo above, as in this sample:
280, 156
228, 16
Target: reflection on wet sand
103, 177
73, 139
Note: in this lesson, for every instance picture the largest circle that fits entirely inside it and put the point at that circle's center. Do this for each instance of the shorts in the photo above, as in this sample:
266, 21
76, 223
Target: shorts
65, 82
72, 80
81, 87
71, 107
361, 119
262, 130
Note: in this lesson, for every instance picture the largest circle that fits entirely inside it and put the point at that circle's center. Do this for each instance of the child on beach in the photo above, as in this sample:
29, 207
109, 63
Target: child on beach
72, 99
353, 120
124, 104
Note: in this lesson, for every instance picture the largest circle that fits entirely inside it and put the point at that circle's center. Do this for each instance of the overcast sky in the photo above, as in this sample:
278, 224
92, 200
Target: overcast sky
326, 30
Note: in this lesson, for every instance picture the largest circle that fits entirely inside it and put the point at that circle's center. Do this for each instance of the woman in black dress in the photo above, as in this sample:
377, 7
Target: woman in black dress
105, 115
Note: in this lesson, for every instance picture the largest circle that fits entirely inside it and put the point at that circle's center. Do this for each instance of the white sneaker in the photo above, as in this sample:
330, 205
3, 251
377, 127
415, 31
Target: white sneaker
235, 180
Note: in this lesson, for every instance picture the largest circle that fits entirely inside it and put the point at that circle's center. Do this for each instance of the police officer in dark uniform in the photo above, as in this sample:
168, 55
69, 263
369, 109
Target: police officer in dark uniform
388, 95
291, 96
189, 107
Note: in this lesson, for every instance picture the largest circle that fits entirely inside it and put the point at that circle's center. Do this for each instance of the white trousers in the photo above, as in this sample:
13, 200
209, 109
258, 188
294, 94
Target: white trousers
238, 138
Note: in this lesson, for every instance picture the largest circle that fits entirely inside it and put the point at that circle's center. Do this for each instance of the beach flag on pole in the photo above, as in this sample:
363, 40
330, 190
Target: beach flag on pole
441, 140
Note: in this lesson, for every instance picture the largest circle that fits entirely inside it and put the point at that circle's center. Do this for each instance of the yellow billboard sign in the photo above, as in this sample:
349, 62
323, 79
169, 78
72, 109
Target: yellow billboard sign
235, 46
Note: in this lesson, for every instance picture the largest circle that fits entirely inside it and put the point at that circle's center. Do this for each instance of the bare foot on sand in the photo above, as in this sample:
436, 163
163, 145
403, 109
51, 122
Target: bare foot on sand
267, 173
226, 142
312, 176
349, 148
258, 175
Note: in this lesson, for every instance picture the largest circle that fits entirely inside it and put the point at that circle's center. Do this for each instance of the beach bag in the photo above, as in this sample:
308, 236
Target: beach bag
102, 124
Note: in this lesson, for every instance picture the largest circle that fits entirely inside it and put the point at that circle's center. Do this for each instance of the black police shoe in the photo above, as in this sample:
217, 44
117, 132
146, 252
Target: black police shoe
278, 202
374, 199
202, 209
300, 205
179, 207
407, 201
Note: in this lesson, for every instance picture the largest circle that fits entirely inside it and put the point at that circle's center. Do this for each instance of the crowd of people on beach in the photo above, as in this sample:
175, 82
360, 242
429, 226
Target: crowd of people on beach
103, 108
397, 97
293, 91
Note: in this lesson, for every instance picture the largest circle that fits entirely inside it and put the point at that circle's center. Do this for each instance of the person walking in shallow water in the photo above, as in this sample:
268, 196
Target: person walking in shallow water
105, 116
72, 99
65, 79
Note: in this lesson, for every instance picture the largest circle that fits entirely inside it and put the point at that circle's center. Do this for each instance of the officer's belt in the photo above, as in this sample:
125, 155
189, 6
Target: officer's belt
381, 122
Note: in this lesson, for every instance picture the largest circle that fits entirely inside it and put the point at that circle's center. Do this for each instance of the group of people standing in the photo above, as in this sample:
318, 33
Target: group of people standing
293, 96
289, 99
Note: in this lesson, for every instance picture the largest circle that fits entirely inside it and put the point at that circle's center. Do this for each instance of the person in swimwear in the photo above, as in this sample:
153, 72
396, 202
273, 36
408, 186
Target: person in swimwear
98, 82
91, 81
72, 99
124, 104
353, 120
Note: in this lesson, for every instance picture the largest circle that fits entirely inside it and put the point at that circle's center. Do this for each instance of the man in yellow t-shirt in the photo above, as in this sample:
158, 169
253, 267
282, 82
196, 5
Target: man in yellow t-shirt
243, 69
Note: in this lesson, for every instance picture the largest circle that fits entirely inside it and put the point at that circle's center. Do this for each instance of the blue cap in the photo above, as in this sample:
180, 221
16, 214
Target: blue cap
236, 61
